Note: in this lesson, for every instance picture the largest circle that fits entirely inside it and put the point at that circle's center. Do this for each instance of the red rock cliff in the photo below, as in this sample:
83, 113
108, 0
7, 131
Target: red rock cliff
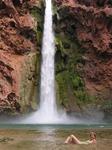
19, 55
89, 23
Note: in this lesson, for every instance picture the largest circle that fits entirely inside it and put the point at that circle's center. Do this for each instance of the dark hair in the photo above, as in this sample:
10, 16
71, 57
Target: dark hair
93, 133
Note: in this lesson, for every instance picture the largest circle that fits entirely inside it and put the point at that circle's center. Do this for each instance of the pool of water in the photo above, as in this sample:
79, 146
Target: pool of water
54, 126
52, 137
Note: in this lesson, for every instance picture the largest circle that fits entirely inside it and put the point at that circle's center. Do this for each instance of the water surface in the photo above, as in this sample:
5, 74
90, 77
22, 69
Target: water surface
52, 137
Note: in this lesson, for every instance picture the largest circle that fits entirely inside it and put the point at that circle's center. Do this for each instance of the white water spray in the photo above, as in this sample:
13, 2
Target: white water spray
47, 89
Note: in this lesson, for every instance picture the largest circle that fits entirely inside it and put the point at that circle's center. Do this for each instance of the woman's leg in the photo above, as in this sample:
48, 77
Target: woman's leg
72, 140
75, 140
68, 140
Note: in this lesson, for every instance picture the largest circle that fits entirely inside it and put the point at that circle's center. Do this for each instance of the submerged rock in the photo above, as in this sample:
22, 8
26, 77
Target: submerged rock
6, 139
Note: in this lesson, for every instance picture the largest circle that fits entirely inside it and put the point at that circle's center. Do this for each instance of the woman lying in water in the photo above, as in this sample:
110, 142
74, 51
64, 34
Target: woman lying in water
74, 140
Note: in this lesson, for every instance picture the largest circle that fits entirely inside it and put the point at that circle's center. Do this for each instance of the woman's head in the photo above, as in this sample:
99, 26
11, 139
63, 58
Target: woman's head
92, 135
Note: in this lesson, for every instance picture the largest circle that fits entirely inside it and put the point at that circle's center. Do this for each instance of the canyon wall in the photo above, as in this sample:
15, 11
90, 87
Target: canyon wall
83, 30
21, 23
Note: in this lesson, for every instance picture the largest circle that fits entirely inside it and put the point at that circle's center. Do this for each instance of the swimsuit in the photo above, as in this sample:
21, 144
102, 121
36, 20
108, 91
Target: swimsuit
86, 142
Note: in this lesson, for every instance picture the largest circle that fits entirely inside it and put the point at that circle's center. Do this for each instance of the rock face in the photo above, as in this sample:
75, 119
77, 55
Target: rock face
84, 53
19, 54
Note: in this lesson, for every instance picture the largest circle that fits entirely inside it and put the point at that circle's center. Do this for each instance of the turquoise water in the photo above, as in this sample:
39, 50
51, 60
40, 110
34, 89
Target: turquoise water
55, 126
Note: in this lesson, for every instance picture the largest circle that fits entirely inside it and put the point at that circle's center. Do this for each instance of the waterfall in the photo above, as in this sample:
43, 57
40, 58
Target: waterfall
47, 112
47, 87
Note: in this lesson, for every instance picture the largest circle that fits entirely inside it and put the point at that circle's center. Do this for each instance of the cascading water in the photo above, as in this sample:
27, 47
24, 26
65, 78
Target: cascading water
47, 89
47, 112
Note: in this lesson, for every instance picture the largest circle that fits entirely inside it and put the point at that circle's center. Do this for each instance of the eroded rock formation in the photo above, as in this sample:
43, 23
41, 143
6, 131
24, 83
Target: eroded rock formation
84, 42
19, 54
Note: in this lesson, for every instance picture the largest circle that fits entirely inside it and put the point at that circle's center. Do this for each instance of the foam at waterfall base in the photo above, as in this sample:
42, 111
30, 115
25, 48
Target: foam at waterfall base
61, 118
41, 118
